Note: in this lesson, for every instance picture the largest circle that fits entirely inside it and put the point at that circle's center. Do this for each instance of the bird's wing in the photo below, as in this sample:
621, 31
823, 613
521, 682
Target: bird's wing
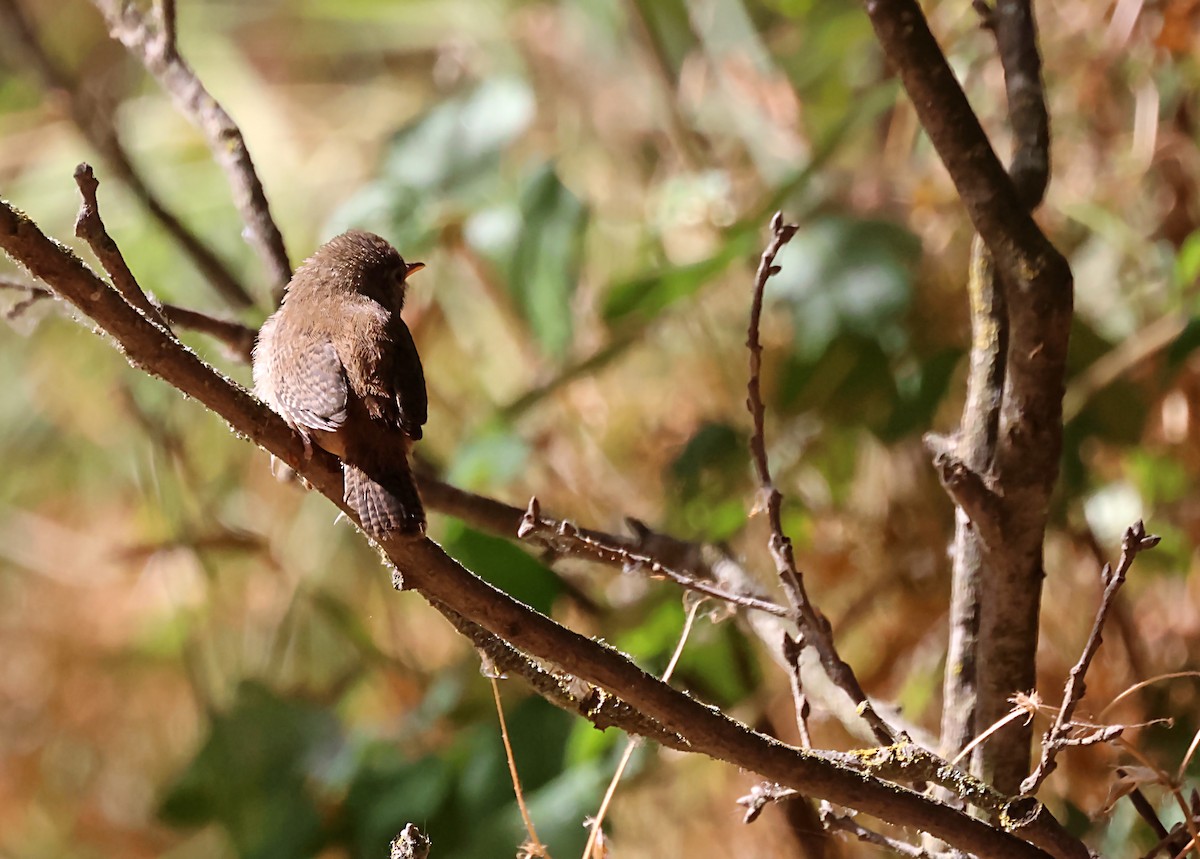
409, 377
310, 386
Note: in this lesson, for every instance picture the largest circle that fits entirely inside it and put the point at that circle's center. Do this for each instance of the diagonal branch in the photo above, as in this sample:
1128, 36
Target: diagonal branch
90, 228
1058, 734
96, 125
151, 38
1022, 252
428, 570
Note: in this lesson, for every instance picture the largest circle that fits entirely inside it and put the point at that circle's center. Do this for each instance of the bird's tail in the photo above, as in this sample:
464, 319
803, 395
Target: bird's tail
385, 503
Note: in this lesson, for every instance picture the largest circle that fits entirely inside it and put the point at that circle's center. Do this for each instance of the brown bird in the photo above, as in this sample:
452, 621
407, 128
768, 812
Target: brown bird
338, 363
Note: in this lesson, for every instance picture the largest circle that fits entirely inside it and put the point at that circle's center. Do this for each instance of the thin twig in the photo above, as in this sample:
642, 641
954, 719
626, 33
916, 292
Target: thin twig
1174, 675
760, 796
1136, 540
151, 38
847, 823
598, 820
236, 337
33, 294
563, 536
816, 627
90, 228
792, 650
536, 846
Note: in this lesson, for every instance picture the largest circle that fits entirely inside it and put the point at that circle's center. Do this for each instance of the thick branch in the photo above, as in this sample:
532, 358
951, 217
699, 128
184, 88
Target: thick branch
1016, 37
427, 569
1022, 253
1033, 281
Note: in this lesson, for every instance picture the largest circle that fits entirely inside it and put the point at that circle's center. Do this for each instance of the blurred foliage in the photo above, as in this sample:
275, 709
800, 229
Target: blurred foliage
200, 662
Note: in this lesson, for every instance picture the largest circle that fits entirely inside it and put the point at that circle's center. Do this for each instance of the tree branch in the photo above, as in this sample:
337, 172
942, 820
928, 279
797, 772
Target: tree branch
95, 123
1033, 280
427, 569
151, 38
1057, 735
816, 628
1022, 252
90, 228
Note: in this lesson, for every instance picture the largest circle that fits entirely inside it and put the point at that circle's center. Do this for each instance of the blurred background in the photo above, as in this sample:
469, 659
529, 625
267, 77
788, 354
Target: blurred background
198, 661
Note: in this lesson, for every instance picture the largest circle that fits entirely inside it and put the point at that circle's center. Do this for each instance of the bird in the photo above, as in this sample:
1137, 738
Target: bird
337, 362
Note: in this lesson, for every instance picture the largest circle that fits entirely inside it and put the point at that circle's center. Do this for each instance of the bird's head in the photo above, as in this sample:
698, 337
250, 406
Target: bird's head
361, 262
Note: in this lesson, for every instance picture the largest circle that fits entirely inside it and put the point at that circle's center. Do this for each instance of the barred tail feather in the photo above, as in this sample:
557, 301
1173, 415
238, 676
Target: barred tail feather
382, 509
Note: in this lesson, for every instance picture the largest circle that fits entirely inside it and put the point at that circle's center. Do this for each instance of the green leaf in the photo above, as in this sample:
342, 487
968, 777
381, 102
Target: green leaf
1187, 262
444, 160
844, 275
668, 25
258, 774
460, 140
504, 565
643, 298
492, 458
544, 268
850, 383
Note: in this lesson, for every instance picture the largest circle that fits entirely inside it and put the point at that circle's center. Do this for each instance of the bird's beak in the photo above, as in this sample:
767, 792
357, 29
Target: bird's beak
412, 268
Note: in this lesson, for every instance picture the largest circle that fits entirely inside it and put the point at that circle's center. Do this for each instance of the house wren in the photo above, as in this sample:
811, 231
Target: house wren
338, 363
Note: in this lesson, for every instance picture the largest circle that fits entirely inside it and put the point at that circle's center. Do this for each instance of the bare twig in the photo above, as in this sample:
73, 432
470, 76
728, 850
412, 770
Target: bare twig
816, 627
847, 823
792, 650
33, 294
598, 820
151, 38
760, 796
427, 569
90, 228
237, 338
563, 536
536, 848
1136, 540
1174, 675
